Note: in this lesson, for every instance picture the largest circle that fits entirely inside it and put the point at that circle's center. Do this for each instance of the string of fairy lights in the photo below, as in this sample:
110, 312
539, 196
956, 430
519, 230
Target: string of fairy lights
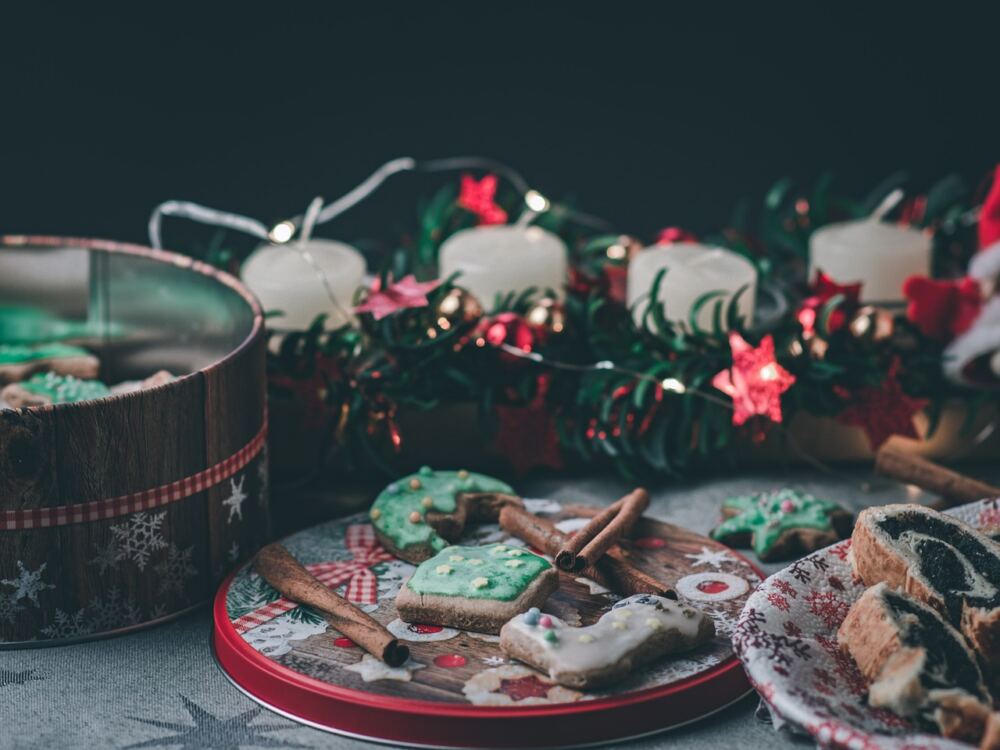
296, 231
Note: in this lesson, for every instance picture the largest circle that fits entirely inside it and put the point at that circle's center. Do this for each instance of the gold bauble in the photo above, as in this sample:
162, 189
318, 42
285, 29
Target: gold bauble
457, 307
817, 347
547, 314
872, 324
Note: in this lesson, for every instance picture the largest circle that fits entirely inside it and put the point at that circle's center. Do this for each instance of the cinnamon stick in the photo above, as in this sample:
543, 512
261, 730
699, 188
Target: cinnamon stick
955, 488
589, 544
612, 571
278, 567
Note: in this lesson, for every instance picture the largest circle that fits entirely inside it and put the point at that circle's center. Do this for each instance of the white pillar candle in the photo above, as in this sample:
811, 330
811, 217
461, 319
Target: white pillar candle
496, 260
692, 270
879, 255
304, 279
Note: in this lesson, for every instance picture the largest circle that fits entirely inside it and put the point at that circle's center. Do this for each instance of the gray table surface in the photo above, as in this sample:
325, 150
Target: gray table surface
161, 688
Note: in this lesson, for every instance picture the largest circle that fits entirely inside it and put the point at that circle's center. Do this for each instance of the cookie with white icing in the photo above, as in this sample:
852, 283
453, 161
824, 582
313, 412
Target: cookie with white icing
18, 362
415, 517
636, 631
476, 588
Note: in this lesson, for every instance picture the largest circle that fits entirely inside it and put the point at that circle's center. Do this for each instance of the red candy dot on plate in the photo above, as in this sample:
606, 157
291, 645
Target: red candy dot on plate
450, 661
545, 621
417, 627
649, 542
343, 642
712, 587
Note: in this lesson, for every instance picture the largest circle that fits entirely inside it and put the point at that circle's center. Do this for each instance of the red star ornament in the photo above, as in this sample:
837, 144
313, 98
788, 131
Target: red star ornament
407, 292
883, 411
526, 435
755, 382
479, 197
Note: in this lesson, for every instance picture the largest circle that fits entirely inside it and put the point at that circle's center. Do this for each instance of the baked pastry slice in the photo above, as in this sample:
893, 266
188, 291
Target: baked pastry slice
939, 560
919, 666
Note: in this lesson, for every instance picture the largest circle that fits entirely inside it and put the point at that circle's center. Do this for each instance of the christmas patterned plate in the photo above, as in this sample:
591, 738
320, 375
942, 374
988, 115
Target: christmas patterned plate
458, 688
787, 639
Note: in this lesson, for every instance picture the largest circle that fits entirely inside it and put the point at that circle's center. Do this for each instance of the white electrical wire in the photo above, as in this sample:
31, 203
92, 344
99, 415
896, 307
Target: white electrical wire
195, 212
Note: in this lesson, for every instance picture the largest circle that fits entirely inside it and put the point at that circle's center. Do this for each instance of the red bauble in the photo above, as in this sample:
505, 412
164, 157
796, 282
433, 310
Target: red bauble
822, 289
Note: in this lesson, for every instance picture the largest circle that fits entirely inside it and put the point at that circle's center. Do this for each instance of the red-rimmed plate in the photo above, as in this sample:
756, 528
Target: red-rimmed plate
458, 689
787, 639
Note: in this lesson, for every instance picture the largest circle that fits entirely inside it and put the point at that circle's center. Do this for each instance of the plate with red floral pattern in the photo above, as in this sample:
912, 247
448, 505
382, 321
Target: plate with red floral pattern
786, 637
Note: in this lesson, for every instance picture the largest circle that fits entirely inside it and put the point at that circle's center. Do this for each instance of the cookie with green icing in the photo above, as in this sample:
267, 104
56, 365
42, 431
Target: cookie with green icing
416, 516
476, 588
18, 362
48, 388
782, 524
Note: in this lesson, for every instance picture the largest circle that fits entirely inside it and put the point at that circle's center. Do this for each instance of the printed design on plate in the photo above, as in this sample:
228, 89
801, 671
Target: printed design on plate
513, 684
786, 637
254, 602
712, 587
372, 669
274, 638
418, 633
714, 557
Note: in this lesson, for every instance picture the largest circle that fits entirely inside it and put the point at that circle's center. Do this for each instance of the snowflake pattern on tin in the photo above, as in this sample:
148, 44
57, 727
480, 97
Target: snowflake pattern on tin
786, 637
112, 611
9, 608
138, 537
175, 569
236, 499
28, 584
65, 625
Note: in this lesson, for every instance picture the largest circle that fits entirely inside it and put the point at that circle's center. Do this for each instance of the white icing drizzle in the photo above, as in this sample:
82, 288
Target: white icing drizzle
617, 633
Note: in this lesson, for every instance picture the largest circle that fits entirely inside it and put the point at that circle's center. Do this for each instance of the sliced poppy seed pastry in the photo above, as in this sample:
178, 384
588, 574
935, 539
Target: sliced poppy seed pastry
913, 657
476, 588
417, 516
637, 631
939, 560
18, 362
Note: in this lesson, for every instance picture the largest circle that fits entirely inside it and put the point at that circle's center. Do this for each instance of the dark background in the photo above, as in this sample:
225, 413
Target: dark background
649, 115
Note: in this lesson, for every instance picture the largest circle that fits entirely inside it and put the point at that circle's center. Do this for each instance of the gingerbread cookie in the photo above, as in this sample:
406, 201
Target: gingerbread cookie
476, 588
636, 631
18, 362
48, 388
416, 516
782, 524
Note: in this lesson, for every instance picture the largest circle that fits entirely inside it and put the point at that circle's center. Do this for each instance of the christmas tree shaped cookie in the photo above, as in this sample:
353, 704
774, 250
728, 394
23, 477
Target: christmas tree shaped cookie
476, 588
781, 524
18, 361
416, 515
636, 631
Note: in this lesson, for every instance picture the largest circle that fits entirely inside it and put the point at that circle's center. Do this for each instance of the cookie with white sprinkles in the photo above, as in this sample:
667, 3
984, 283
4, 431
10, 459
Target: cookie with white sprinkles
636, 631
476, 588
18, 361
416, 516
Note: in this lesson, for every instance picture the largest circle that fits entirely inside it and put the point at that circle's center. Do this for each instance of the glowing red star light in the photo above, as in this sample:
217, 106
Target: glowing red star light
479, 197
755, 382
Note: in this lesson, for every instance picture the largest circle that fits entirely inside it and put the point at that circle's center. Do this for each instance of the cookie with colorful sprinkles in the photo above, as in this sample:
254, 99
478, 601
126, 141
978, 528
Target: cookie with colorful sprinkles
782, 524
636, 631
476, 588
416, 516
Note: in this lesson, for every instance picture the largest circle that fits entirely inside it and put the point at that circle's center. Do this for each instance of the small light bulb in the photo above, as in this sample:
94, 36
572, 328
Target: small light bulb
616, 252
604, 364
768, 372
536, 201
281, 232
673, 385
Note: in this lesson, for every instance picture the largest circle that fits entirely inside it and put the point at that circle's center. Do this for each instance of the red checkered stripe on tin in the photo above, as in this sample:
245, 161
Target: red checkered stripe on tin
63, 515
